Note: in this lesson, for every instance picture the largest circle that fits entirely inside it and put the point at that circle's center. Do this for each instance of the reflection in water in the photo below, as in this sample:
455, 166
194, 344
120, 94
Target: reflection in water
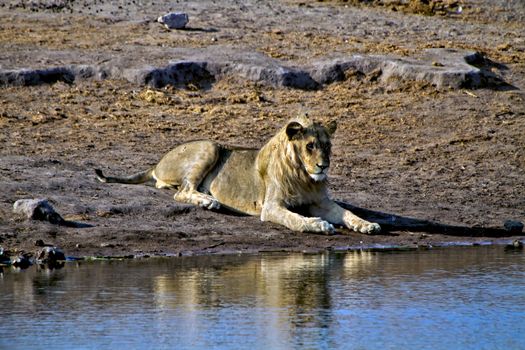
468, 298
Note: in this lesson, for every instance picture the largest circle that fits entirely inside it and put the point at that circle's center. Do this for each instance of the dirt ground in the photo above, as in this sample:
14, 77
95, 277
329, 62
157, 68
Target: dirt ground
455, 157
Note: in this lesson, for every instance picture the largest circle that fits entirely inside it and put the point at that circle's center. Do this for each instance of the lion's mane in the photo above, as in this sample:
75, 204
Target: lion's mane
280, 163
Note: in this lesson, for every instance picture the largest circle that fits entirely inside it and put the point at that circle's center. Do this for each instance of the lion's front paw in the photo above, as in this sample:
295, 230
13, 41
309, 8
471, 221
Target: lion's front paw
366, 227
319, 225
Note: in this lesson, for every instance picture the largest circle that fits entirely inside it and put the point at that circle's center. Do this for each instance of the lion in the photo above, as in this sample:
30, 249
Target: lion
288, 172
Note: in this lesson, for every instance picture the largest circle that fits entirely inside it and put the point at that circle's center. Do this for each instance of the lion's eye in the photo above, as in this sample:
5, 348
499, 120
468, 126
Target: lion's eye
310, 146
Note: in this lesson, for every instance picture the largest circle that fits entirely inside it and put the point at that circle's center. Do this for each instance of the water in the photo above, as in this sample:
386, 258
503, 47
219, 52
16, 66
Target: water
454, 298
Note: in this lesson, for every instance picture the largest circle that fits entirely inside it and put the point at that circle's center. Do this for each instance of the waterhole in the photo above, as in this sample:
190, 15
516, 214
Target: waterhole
453, 298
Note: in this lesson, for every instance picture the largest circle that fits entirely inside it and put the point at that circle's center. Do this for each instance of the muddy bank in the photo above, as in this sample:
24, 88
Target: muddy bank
452, 154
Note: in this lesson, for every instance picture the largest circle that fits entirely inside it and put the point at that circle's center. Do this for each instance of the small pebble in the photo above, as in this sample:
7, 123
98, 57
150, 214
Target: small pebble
516, 245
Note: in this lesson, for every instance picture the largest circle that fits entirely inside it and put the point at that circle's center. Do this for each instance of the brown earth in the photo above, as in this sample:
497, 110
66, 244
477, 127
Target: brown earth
456, 157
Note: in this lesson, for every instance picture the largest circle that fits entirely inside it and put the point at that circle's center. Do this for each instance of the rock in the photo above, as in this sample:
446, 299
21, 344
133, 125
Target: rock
23, 260
516, 245
176, 74
327, 72
256, 67
50, 256
38, 209
174, 20
278, 76
5, 257
514, 227
443, 68
30, 77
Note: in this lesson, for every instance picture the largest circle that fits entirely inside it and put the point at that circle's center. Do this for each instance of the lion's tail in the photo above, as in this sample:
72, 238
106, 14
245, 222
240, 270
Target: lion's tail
137, 178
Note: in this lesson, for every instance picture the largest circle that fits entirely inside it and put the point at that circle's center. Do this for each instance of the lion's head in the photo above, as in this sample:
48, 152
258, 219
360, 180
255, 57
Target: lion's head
311, 146
297, 158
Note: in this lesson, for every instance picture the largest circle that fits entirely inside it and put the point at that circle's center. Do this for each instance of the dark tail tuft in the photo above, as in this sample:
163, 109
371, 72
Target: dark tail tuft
100, 175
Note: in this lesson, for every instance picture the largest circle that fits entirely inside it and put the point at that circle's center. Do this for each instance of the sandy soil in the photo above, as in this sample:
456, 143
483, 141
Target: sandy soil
455, 157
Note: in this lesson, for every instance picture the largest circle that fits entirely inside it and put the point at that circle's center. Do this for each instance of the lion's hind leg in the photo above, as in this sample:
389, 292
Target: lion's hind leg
188, 194
203, 159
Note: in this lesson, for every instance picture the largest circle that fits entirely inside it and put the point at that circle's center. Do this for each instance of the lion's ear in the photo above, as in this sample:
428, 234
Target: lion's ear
331, 127
294, 129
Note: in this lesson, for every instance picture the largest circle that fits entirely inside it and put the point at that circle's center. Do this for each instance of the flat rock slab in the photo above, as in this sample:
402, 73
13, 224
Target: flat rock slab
443, 68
